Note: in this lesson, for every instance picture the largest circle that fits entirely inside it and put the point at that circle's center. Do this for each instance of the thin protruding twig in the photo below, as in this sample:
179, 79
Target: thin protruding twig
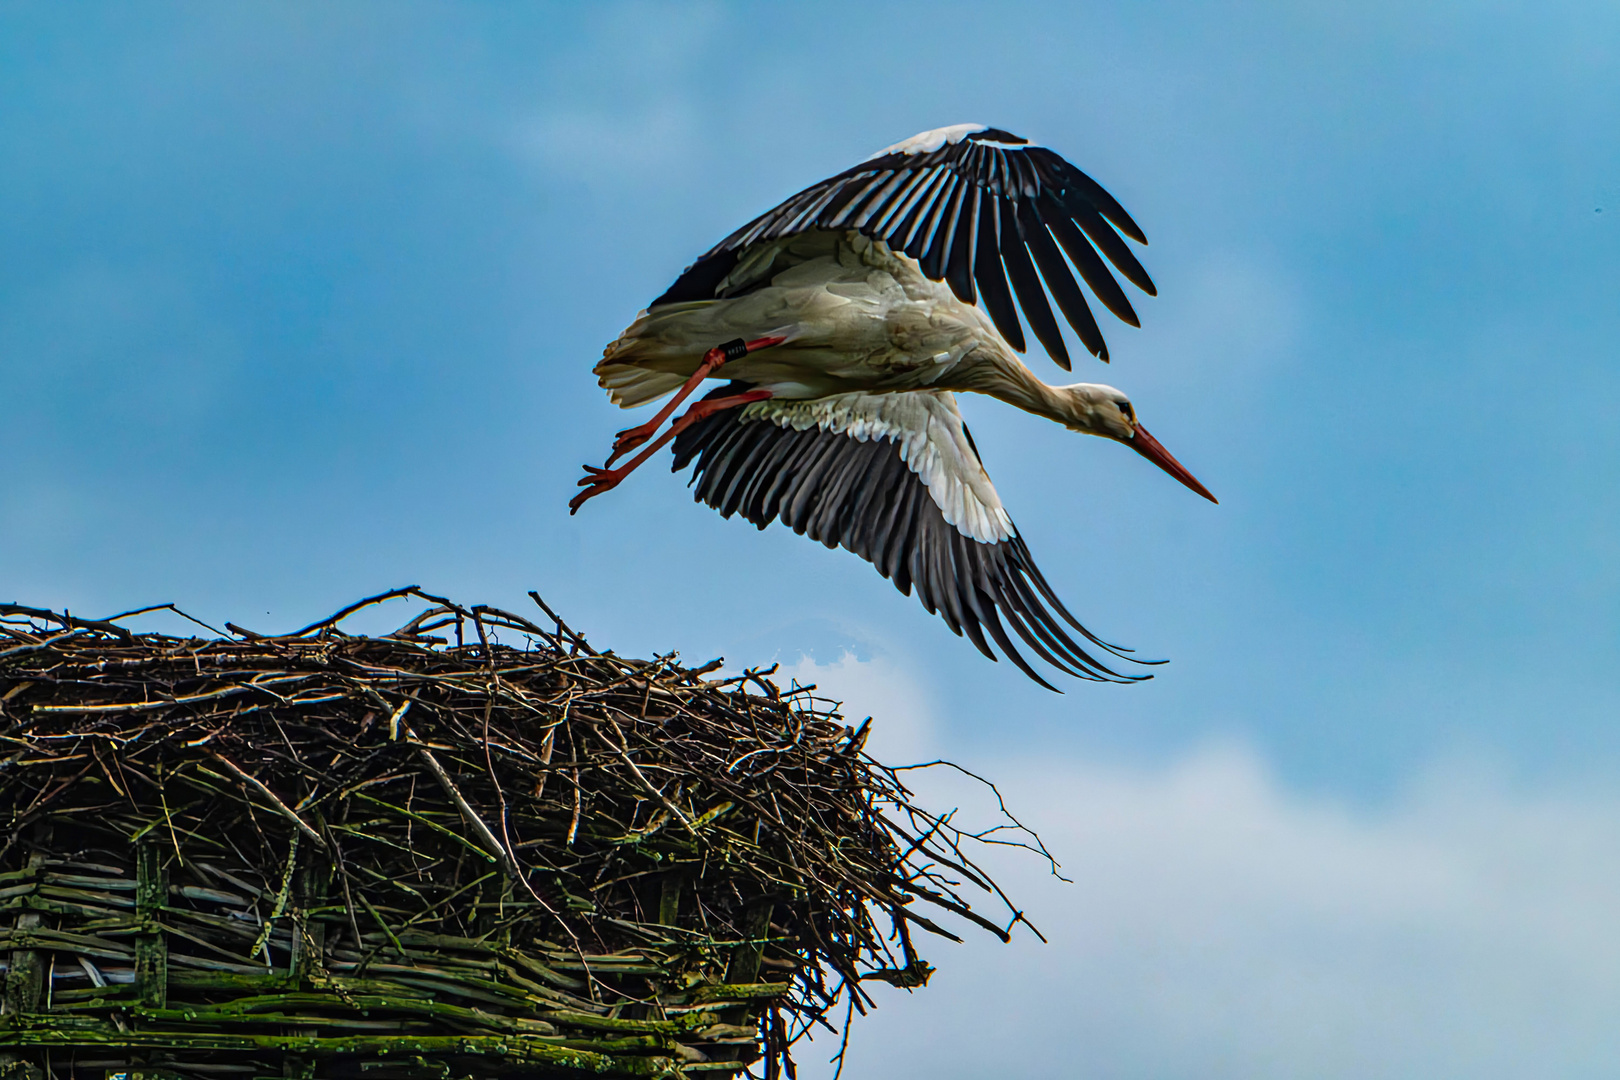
280, 807
491, 842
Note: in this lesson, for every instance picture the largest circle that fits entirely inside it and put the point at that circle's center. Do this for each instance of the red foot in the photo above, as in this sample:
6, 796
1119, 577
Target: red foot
630, 438
595, 482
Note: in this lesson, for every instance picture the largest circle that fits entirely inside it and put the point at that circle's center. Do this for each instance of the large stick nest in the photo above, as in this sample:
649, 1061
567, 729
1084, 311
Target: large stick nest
473, 845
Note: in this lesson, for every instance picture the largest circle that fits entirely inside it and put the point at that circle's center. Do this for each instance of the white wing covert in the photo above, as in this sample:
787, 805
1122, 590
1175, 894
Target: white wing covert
895, 479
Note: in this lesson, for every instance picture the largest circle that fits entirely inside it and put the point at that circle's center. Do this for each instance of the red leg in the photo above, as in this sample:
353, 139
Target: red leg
705, 409
713, 360
596, 481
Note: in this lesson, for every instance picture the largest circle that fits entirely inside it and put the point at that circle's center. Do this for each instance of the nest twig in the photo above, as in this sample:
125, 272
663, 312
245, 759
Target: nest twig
231, 854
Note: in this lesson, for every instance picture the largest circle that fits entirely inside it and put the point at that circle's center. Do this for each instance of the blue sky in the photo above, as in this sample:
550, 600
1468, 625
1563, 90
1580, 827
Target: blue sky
300, 302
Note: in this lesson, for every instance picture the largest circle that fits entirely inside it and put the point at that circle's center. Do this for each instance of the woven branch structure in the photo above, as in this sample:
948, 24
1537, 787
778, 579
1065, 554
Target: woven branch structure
486, 851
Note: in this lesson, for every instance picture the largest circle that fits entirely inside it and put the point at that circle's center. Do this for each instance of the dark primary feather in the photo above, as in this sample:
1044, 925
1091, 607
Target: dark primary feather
976, 214
863, 497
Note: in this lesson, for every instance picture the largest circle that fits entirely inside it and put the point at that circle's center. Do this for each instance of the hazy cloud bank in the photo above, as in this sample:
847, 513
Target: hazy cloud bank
1221, 925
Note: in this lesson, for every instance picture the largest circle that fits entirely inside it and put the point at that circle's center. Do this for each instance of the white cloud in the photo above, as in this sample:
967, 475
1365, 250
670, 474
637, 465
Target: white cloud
902, 730
1221, 925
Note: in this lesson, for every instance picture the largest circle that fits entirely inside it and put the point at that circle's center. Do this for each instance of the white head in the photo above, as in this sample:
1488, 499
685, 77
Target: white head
1097, 410
1101, 410
1089, 407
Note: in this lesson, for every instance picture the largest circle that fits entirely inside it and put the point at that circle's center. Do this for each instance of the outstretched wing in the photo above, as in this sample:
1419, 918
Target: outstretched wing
895, 479
975, 206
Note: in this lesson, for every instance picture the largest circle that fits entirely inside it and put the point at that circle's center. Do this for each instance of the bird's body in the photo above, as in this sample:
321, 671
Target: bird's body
851, 320
854, 316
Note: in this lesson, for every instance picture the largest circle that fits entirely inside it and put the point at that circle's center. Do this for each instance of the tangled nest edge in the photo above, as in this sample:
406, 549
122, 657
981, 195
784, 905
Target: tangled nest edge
719, 831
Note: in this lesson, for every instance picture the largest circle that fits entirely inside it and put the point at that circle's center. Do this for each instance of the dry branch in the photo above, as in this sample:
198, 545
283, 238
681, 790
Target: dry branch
525, 858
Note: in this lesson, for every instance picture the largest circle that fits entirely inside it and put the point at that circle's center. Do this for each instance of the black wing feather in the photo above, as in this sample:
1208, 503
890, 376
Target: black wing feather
1109, 243
1093, 193
1058, 281
943, 232
959, 262
934, 206
1091, 267
992, 281
860, 495
1030, 297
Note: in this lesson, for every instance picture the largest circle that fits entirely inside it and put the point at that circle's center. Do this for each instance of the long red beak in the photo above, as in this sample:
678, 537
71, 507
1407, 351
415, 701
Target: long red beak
1149, 447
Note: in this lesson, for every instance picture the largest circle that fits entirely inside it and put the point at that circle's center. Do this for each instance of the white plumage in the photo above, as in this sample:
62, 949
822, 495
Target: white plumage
853, 316
845, 320
926, 428
926, 142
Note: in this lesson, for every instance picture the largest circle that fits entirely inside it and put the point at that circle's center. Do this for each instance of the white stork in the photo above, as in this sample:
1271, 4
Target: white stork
849, 322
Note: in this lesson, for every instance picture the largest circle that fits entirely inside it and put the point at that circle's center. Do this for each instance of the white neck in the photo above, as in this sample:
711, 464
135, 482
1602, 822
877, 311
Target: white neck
1006, 378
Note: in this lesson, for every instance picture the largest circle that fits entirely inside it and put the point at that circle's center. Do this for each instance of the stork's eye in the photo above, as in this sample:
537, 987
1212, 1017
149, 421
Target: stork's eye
1125, 409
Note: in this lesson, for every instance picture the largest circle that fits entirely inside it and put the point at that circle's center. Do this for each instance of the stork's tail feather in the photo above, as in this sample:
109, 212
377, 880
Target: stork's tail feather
658, 352
629, 386
644, 362
671, 333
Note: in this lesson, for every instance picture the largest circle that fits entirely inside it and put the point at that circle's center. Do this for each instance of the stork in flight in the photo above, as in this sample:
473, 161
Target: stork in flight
845, 320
